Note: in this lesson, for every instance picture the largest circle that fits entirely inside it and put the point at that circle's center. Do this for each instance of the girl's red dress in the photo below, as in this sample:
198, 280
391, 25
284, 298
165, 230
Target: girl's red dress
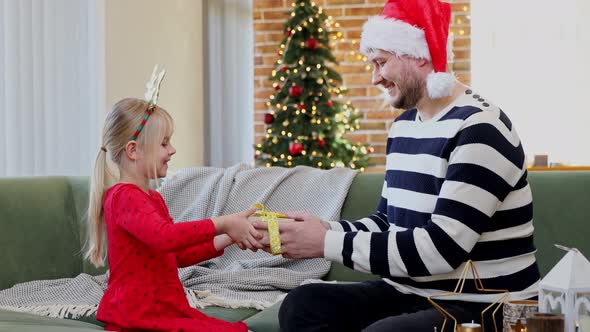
145, 250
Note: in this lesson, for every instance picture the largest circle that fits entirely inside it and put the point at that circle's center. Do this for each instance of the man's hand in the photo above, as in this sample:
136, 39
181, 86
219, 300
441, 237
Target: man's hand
298, 239
306, 216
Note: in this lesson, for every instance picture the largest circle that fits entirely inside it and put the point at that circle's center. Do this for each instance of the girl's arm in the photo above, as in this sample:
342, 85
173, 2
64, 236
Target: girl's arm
138, 215
203, 251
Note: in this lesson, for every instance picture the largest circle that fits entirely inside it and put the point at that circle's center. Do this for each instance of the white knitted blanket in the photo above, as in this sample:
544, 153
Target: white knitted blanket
236, 279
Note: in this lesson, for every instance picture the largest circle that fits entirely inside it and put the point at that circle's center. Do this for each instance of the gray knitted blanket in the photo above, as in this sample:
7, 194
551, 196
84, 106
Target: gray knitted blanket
236, 279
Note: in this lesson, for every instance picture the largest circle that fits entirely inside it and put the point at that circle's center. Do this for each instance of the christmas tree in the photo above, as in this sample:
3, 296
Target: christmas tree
305, 126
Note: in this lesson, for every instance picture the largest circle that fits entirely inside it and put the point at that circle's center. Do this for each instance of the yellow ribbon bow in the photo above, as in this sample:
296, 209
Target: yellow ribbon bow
271, 219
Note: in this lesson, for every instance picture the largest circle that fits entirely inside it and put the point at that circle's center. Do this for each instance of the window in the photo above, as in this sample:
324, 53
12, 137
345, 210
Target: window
229, 82
530, 57
50, 86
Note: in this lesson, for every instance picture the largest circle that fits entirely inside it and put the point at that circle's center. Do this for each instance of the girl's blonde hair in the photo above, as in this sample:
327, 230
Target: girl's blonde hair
119, 127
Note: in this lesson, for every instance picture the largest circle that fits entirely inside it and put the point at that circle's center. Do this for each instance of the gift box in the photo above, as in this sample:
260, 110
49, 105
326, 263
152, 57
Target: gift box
272, 219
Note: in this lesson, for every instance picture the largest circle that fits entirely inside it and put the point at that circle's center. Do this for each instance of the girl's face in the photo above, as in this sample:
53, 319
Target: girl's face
156, 167
165, 153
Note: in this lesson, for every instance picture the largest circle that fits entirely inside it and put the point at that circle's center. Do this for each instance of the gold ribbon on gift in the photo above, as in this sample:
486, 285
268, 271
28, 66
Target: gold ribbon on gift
271, 219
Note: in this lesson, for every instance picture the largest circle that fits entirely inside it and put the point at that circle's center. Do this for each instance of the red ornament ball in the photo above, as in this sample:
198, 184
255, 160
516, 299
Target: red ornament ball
302, 107
288, 33
329, 103
284, 68
277, 88
295, 91
295, 148
311, 44
269, 118
321, 143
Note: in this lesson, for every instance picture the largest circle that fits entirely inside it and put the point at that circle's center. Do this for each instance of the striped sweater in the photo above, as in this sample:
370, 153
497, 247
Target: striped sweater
455, 189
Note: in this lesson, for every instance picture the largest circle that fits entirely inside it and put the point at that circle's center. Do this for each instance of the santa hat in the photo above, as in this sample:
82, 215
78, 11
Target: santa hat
418, 28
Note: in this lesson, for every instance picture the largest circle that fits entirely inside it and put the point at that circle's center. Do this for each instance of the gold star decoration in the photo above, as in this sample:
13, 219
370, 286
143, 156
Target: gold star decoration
497, 304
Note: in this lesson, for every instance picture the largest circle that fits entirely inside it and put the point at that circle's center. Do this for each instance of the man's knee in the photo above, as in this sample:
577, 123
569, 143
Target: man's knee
392, 324
306, 308
297, 302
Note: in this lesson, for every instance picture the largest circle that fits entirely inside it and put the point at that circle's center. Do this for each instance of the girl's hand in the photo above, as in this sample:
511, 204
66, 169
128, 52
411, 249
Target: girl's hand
239, 229
222, 241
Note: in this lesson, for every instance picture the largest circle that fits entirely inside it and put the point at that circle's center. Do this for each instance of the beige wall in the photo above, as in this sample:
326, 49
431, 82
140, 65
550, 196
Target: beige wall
142, 33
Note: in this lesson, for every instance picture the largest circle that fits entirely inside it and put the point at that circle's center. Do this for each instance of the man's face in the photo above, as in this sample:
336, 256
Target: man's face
399, 76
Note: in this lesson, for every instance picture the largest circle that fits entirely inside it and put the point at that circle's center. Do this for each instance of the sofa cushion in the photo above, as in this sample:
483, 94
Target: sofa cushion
39, 230
363, 196
20, 322
265, 321
24, 327
231, 315
561, 214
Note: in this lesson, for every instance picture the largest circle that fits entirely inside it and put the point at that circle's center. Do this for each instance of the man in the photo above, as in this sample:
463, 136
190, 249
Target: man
455, 190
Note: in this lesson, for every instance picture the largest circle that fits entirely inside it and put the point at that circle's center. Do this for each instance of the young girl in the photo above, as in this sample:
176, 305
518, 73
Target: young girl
145, 247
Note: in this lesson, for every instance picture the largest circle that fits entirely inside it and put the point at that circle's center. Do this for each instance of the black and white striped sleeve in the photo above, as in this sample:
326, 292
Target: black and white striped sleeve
376, 222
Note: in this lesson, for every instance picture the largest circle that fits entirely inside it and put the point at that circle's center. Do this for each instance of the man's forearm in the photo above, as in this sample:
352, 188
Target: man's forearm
373, 223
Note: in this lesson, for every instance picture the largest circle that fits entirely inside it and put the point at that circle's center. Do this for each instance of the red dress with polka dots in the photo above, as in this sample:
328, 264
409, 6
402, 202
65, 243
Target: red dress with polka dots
145, 248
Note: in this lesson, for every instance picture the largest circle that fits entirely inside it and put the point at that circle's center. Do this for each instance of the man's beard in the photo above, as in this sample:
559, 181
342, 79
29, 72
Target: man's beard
410, 91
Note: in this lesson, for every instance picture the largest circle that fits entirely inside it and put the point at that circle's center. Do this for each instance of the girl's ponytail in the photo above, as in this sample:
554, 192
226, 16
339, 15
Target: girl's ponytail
96, 229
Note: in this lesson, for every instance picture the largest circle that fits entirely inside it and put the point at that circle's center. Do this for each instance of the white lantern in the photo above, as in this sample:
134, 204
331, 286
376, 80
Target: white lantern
567, 287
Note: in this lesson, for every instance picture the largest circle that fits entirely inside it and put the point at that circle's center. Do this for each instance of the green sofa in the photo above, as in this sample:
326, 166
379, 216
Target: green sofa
41, 235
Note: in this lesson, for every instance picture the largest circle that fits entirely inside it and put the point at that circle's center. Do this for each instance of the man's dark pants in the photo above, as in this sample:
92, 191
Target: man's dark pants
372, 306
